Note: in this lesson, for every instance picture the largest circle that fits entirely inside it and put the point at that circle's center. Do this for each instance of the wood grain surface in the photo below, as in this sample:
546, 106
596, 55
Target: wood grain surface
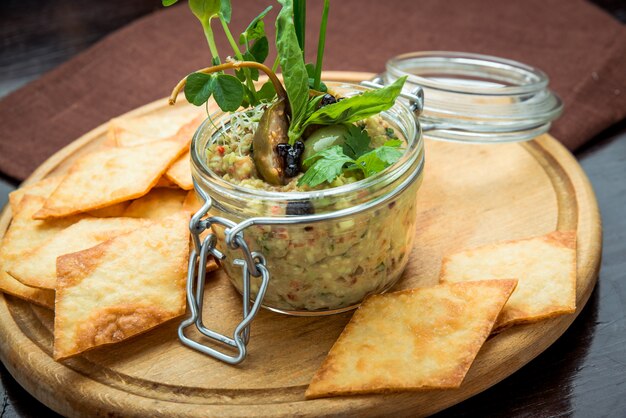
471, 195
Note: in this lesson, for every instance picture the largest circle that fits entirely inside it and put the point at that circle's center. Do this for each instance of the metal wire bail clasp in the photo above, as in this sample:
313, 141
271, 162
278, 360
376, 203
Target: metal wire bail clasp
253, 264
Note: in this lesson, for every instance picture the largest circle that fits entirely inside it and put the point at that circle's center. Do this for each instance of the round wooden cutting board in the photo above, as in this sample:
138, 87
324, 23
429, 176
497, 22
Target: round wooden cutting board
471, 195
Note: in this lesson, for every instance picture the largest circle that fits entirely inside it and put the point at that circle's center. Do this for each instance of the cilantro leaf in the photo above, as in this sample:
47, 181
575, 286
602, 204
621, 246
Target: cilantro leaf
357, 142
325, 166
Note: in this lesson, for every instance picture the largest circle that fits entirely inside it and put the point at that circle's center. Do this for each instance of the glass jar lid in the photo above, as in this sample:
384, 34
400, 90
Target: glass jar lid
477, 98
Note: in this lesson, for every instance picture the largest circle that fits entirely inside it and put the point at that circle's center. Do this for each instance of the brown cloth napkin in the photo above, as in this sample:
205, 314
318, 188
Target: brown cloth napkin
579, 46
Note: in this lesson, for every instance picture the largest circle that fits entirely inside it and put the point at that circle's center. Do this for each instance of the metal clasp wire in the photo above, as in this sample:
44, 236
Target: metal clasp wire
253, 264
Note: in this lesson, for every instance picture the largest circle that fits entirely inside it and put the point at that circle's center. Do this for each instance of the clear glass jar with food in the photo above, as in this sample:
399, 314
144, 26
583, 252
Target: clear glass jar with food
363, 231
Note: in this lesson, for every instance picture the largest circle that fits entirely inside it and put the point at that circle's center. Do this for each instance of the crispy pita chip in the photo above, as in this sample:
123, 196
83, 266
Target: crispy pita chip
180, 172
158, 204
192, 204
141, 130
165, 182
43, 188
111, 176
415, 339
113, 211
25, 235
545, 267
38, 268
122, 287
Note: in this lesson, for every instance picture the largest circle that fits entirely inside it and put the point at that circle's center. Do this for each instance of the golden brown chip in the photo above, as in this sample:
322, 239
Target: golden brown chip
158, 204
25, 235
165, 182
192, 203
132, 131
415, 339
122, 287
180, 172
113, 211
111, 176
545, 267
43, 188
37, 268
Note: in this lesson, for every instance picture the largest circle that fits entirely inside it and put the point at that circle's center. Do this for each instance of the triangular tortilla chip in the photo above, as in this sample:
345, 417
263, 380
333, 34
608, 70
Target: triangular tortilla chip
410, 340
25, 235
158, 204
111, 176
43, 188
132, 131
38, 268
180, 172
545, 267
122, 287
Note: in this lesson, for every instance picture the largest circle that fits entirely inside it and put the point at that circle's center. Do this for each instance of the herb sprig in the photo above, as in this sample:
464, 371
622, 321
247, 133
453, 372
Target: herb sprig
354, 154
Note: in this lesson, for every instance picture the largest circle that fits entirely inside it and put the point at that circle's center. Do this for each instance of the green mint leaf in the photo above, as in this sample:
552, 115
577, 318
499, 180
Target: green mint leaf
325, 166
355, 108
205, 10
168, 2
292, 64
357, 142
267, 92
228, 92
256, 28
226, 10
199, 88
260, 49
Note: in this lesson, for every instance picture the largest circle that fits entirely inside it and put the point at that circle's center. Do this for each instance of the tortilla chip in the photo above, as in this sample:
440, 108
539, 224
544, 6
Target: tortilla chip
180, 172
415, 339
42, 188
545, 267
25, 235
158, 204
111, 176
122, 287
38, 268
192, 203
141, 130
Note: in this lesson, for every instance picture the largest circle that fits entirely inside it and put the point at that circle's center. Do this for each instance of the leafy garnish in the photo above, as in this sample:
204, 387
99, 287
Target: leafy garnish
378, 159
320, 46
226, 89
351, 109
356, 108
356, 142
325, 166
355, 154
294, 72
256, 28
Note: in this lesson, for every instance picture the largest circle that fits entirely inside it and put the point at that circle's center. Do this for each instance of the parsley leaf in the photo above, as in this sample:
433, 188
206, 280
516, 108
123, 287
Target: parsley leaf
380, 158
325, 166
357, 142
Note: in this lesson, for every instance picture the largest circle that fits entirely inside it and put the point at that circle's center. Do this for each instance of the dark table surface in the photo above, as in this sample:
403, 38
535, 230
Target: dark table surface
582, 375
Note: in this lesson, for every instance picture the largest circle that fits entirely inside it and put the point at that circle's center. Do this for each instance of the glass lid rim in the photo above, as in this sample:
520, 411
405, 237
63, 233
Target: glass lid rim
478, 61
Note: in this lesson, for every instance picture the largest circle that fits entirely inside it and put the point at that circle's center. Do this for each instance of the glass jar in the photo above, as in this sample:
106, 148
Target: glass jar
358, 244
477, 98
353, 240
